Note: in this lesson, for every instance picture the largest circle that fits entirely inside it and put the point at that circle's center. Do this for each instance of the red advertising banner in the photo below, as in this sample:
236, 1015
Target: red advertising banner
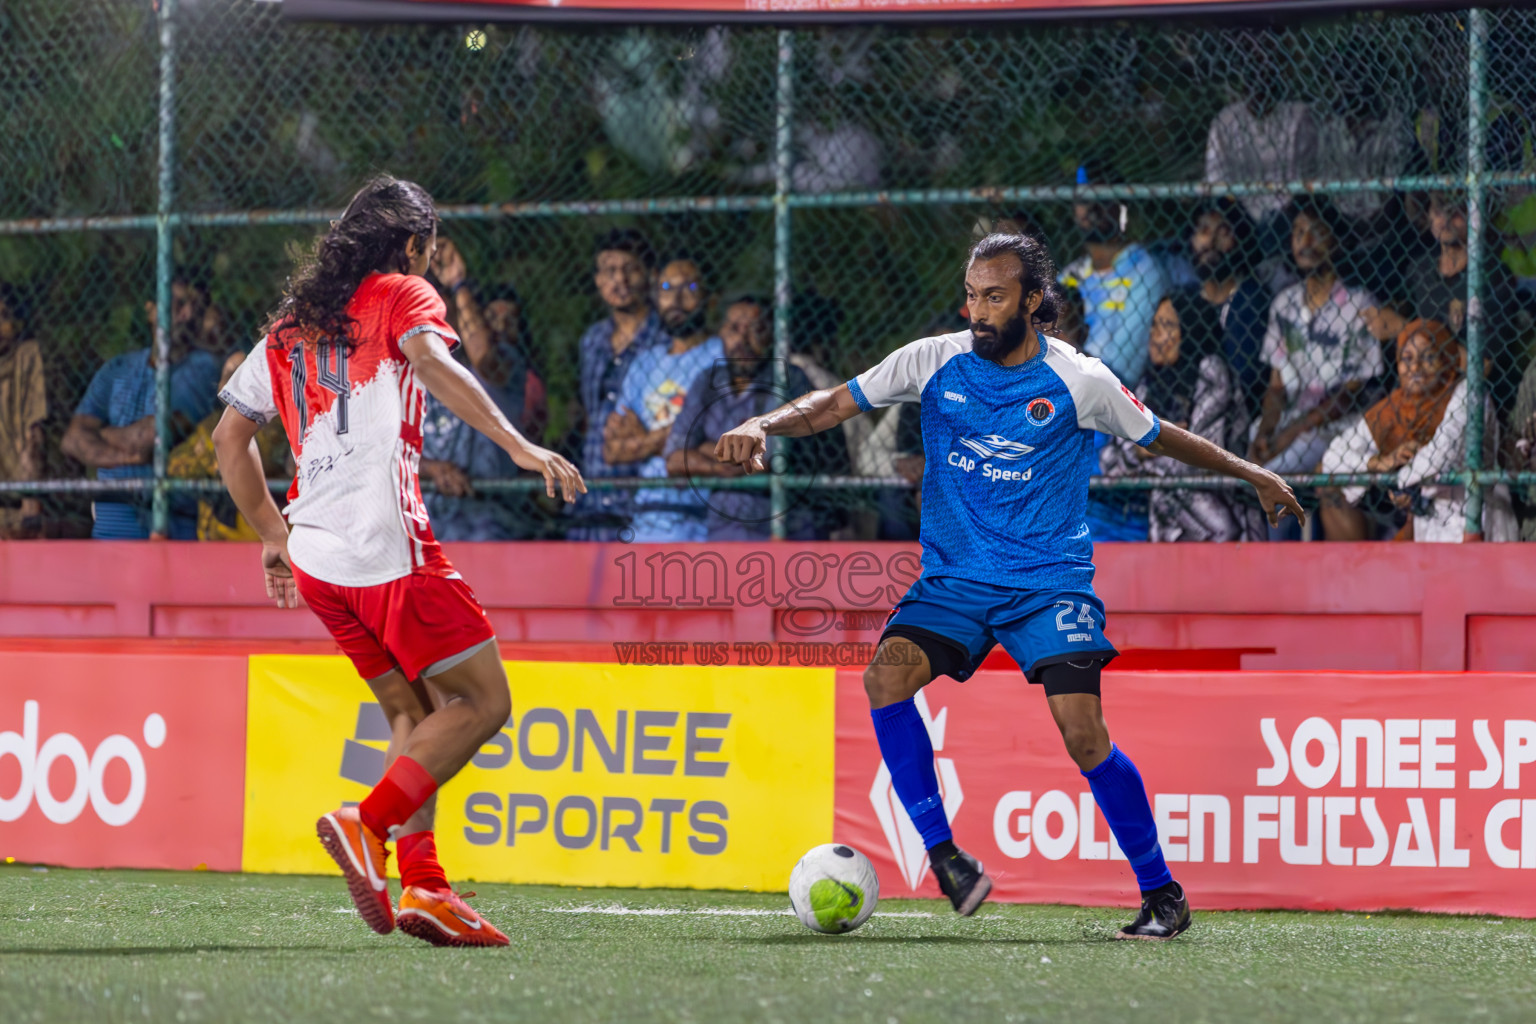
114, 760
1354, 791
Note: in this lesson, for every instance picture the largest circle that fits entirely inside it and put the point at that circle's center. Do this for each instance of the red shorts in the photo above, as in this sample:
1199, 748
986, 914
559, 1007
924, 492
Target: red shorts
411, 623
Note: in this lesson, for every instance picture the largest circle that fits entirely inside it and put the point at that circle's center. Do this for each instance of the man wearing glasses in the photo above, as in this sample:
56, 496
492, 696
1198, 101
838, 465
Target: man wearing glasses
652, 395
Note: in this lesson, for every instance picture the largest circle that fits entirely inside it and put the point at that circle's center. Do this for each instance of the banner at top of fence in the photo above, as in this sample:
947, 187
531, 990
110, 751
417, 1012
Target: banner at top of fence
840, 6
784, 10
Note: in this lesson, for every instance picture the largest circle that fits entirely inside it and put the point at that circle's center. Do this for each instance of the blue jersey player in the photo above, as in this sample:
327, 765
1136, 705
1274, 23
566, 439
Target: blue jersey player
1008, 419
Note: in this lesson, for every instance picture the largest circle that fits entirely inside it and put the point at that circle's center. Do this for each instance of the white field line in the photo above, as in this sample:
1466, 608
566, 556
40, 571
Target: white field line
617, 911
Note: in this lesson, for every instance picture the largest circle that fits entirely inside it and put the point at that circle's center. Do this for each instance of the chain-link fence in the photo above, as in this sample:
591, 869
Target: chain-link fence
1314, 244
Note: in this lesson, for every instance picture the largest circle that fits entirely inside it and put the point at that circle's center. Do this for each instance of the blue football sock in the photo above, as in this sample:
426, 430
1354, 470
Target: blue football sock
908, 754
1117, 789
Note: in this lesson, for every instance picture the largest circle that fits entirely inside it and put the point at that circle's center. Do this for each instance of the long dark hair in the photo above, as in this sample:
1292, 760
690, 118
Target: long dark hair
370, 236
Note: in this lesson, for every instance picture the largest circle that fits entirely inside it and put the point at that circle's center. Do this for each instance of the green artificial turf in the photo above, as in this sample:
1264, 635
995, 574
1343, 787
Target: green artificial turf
136, 946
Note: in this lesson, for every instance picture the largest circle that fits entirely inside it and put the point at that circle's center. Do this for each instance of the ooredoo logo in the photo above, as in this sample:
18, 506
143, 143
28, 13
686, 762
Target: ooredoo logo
38, 759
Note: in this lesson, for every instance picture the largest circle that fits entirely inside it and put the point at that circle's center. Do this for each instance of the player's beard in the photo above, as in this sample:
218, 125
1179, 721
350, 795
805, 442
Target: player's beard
683, 325
995, 344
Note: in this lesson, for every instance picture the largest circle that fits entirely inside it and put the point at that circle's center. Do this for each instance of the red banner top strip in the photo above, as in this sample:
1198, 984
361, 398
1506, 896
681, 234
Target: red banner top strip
824, 11
876, 7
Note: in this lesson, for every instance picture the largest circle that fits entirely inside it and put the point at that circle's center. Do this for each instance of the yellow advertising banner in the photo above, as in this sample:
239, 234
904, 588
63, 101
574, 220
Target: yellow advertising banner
605, 775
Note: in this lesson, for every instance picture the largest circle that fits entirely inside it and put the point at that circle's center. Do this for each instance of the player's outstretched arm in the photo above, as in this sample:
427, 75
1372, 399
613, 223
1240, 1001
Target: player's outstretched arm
1275, 496
746, 445
457, 388
234, 441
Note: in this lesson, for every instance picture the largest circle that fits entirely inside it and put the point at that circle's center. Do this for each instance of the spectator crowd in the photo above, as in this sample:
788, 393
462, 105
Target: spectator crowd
1280, 335
1309, 334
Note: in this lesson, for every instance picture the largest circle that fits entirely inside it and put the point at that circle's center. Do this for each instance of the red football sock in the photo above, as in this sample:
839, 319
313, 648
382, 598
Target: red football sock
418, 861
403, 789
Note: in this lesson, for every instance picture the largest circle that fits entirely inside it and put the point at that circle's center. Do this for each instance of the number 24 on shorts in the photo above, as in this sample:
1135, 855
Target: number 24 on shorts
1084, 617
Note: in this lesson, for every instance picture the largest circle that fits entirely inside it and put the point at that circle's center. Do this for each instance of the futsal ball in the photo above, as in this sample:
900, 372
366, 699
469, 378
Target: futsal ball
833, 889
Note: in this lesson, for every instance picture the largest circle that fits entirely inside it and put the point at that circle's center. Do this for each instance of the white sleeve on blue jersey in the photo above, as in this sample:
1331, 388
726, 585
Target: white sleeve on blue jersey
1103, 403
902, 375
249, 391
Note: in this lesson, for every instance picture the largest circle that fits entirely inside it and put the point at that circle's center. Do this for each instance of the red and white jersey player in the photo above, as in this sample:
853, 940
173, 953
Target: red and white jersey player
353, 413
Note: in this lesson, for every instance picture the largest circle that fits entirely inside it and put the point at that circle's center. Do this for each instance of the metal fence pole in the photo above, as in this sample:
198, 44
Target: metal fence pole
783, 181
1477, 189
164, 268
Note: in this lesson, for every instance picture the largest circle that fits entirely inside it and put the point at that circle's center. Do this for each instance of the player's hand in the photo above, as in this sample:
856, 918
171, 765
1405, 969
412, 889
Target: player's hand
701, 461
743, 446
448, 265
556, 470
278, 571
1276, 498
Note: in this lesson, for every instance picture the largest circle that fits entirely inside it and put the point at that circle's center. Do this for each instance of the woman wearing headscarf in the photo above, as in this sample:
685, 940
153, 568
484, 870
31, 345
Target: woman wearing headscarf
1418, 432
1189, 383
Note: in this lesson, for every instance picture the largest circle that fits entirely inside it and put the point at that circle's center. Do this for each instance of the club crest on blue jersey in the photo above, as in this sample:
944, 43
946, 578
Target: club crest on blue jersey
1040, 411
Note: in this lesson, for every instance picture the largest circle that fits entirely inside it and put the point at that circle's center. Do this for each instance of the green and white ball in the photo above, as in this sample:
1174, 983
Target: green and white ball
833, 889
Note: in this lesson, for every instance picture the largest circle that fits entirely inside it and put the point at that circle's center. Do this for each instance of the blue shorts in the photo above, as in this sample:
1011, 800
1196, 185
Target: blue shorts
1037, 627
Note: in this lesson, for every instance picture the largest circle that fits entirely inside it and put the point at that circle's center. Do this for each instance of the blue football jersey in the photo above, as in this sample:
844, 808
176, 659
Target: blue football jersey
1009, 453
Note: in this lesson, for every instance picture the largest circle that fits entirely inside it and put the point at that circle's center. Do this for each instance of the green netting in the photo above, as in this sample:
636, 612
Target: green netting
841, 176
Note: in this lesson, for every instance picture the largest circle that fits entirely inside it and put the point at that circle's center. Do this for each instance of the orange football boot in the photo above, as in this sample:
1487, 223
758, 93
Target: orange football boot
441, 917
361, 856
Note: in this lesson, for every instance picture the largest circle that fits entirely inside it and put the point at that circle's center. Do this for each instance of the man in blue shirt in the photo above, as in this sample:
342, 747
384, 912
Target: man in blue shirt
736, 388
113, 430
1008, 421
1121, 284
494, 337
1120, 281
623, 264
654, 389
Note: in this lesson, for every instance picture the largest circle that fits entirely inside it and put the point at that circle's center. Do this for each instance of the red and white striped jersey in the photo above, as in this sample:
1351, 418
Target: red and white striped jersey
353, 416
